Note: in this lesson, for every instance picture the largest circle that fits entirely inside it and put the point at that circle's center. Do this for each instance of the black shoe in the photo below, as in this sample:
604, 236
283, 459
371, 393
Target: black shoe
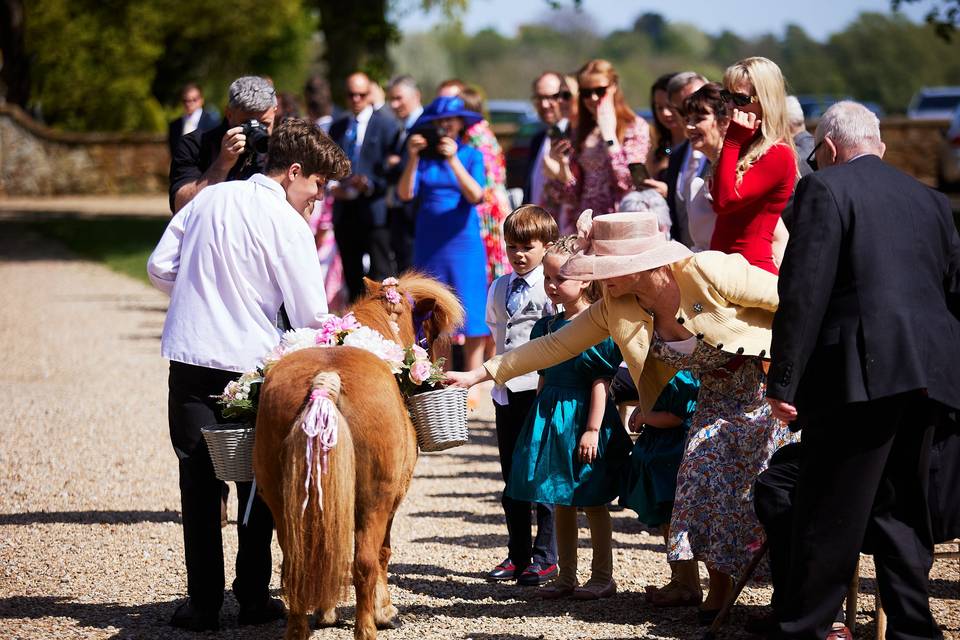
190, 618
536, 574
506, 570
268, 611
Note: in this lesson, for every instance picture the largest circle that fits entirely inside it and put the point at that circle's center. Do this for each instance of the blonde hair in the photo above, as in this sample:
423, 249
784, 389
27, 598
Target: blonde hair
767, 81
568, 246
586, 120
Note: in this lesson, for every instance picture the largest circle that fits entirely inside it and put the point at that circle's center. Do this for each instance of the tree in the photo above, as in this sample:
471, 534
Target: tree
15, 71
944, 16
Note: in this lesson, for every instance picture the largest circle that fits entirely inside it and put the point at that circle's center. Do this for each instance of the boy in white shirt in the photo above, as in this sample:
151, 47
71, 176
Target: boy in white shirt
229, 259
515, 302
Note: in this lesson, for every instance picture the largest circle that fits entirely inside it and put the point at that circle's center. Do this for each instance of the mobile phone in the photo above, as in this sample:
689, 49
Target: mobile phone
556, 133
638, 173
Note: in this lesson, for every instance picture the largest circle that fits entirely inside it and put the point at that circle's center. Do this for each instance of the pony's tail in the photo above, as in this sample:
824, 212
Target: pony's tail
318, 543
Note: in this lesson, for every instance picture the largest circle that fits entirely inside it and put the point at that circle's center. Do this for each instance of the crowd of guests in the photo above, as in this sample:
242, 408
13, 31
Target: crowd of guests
643, 265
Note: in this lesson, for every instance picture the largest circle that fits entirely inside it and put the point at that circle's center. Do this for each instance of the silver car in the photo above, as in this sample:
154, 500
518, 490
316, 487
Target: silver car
934, 103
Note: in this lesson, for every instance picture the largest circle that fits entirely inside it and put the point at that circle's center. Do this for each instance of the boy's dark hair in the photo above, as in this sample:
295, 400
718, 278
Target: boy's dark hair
528, 223
300, 141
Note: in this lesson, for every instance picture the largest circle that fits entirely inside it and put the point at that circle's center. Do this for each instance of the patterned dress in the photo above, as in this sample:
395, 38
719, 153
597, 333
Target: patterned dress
731, 439
495, 205
601, 179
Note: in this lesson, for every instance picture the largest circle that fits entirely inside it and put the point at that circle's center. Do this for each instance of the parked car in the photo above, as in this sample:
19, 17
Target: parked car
814, 105
518, 112
934, 103
949, 173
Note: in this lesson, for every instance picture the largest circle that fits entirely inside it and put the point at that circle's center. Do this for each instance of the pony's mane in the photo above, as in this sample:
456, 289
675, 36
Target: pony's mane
422, 299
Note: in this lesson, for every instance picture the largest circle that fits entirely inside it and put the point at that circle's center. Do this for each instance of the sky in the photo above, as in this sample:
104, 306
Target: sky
819, 18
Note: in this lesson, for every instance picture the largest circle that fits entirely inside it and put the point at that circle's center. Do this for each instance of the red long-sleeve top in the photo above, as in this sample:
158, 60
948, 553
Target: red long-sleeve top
747, 213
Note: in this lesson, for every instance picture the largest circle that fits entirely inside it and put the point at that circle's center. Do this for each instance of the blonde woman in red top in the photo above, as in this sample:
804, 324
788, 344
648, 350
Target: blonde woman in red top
594, 165
757, 169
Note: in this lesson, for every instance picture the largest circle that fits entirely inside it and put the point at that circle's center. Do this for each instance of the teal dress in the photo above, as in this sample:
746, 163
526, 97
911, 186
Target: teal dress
650, 480
546, 467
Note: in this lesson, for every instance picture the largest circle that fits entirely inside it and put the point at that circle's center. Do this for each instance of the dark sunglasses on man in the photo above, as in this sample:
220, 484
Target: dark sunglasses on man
553, 97
599, 92
739, 99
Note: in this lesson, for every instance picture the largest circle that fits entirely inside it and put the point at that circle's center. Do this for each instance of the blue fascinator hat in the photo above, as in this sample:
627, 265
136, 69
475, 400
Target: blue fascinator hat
447, 107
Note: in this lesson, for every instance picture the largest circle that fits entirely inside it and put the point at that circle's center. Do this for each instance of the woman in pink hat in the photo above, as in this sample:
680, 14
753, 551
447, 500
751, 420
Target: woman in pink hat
669, 309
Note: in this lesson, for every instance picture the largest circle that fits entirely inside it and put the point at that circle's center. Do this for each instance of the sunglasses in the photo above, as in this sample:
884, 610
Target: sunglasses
555, 97
353, 94
597, 92
739, 99
812, 158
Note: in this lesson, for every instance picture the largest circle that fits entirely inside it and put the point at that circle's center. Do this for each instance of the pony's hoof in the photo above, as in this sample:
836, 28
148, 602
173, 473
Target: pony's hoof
327, 619
392, 623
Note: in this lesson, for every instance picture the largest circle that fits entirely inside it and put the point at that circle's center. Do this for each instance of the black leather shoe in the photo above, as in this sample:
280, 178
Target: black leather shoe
536, 574
506, 570
190, 618
270, 610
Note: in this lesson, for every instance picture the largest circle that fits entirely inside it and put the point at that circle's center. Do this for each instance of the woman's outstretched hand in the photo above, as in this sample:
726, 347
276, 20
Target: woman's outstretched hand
467, 379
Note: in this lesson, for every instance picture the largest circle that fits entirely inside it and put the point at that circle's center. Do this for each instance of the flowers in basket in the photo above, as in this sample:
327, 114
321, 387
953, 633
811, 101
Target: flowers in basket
412, 367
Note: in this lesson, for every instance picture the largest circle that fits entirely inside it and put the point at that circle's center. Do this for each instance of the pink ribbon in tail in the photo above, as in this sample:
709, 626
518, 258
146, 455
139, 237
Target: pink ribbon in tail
320, 425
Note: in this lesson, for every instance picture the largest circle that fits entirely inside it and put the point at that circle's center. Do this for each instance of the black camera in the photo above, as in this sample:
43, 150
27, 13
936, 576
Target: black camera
555, 133
257, 137
432, 135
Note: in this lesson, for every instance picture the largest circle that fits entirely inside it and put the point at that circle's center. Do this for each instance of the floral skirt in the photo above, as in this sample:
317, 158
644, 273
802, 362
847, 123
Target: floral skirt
732, 437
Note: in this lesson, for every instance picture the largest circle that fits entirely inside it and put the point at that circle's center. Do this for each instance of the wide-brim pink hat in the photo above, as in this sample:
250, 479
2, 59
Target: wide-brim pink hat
618, 244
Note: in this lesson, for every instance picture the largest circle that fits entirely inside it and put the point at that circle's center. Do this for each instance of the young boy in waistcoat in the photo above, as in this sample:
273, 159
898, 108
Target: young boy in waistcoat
515, 302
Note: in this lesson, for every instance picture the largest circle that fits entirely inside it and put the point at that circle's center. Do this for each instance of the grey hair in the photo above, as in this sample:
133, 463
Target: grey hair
794, 112
647, 200
251, 93
851, 126
682, 79
406, 81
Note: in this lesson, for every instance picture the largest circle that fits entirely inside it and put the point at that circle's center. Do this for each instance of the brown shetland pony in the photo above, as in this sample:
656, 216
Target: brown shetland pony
368, 471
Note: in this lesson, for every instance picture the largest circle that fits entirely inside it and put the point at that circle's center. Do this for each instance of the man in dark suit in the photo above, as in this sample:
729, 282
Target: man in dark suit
549, 94
865, 346
360, 222
685, 163
403, 94
194, 118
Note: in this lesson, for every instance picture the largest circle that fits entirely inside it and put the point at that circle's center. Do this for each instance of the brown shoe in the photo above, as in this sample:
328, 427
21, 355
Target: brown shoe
556, 591
673, 594
595, 591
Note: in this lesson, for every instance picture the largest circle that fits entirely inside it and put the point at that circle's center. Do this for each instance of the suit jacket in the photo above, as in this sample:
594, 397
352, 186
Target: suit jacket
670, 177
868, 291
535, 143
208, 120
378, 143
724, 301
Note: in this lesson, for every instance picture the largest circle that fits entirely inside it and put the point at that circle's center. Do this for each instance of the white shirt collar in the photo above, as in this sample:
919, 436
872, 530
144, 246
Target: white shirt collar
532, 277
364, 116
413, 117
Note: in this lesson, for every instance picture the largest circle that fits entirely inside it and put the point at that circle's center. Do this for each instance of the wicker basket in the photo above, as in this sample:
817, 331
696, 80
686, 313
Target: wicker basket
231, 449
440, 418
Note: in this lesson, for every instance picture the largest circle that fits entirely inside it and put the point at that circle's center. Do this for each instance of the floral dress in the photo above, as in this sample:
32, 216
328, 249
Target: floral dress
601, 179
495, 205
731, 440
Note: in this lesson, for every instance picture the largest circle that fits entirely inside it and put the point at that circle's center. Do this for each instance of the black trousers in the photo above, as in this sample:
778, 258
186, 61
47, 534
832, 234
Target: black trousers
190, 407
521, 546
403, 221
864, 471
356, 236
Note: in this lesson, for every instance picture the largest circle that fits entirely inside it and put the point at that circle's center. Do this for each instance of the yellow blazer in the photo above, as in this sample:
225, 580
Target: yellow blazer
724, 301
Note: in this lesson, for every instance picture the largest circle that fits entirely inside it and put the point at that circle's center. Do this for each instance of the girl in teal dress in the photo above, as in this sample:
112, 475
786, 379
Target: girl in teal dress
573, 443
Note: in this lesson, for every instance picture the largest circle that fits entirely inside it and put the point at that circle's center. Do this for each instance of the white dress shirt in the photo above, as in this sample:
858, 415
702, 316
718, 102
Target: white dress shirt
363, 119
228, 260
192, 121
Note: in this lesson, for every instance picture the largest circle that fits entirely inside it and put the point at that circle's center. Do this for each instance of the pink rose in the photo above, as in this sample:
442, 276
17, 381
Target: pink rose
419, 371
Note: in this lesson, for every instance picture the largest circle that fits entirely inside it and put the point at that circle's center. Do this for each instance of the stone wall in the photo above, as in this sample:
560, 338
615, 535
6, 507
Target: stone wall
38, 161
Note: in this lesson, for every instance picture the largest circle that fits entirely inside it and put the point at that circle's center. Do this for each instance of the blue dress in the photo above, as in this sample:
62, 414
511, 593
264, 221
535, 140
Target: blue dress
650, 480
447, 242
546, 467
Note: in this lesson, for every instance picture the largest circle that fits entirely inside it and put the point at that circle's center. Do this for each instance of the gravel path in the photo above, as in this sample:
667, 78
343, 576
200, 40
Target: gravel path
90, 539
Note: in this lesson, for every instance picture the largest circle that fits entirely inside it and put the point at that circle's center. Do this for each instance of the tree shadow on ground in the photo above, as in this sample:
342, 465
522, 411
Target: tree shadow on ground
88, 517
489, 496
466, 516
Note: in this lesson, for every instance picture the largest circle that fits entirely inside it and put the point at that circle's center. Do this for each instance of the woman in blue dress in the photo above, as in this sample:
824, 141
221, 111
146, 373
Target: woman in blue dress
445, 179
573, 444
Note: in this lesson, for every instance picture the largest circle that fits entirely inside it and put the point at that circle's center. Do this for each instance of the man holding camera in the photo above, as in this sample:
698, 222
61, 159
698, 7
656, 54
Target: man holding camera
360, 222
229, 259
232, 151
549, 92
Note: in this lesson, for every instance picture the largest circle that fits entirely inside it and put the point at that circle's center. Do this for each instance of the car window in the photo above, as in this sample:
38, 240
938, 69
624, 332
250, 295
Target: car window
938, 103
